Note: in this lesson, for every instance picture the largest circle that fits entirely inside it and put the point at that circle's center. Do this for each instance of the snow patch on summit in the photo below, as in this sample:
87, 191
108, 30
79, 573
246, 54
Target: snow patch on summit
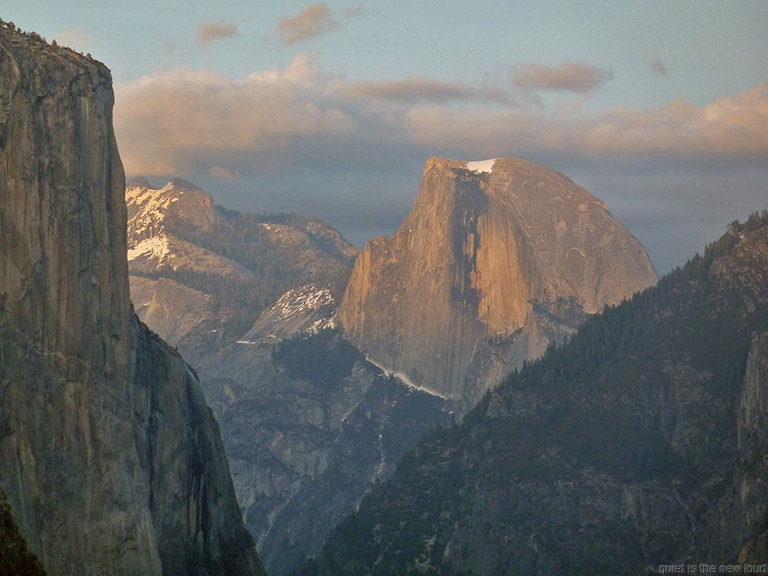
481, 165
151, 205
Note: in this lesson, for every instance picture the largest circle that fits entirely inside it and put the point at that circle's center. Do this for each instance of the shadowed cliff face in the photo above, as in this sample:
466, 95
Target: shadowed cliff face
109, 457
752, 442
496, 260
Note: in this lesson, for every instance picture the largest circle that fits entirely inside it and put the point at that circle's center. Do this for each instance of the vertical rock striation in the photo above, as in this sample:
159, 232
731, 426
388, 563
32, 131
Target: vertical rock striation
109, 457
753, 441
496, 260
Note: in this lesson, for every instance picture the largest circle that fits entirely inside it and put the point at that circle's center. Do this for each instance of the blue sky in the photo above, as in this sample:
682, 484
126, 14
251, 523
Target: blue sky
660, 108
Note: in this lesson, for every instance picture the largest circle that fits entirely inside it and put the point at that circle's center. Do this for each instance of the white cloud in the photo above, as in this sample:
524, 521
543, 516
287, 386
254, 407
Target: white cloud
730, 127
733, 127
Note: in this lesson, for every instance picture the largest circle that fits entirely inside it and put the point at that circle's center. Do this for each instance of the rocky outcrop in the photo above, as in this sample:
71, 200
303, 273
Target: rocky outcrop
308, 423
157, 221
753, 443
109, 457
496, 260
178, 227
172, 309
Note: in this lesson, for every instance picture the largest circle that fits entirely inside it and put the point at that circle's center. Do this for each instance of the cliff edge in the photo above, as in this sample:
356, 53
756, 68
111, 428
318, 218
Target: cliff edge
109, 457
497, 259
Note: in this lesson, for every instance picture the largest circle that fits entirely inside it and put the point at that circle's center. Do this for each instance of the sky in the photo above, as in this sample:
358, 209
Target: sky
331, 109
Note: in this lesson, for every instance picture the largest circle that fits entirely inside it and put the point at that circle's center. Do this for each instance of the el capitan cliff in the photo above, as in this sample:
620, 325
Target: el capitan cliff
109, 458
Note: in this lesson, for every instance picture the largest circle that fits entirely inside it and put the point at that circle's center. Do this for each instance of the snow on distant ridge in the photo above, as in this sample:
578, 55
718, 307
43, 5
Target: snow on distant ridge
154, 247
306, 310
481, 165
151, 205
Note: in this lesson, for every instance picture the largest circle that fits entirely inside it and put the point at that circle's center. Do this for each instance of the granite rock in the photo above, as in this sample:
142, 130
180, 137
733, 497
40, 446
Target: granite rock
497, 260
109, 457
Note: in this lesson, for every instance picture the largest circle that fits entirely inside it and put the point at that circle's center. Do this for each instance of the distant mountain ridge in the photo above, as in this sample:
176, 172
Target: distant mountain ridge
182, 211
639, 444
497, 260
308, 419
201, 274
251, 301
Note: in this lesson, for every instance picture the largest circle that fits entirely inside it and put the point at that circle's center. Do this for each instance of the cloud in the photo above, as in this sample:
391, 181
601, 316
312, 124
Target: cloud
730, 128
186, 122
213, 31
658, 68
577, 77
312, 21
417, 88
294, 139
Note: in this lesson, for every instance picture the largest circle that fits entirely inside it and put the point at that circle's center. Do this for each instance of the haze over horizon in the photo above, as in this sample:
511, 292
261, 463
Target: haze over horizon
331, 109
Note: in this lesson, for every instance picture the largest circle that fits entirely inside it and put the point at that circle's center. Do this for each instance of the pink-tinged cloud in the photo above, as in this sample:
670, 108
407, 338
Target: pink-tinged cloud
187, 122
730, 128
212, 31
577, 77
312, 21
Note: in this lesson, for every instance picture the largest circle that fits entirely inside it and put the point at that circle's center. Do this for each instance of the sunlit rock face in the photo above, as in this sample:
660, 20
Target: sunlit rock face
497, 259
109, 457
